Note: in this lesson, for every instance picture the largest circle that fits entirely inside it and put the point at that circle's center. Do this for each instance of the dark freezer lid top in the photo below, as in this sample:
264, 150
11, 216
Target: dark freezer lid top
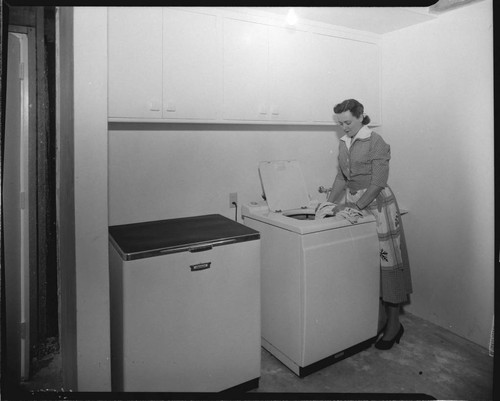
154, 238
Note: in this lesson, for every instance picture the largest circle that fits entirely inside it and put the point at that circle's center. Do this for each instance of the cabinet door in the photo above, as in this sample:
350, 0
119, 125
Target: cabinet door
245, 70
290, 74
135, 62
191, 72
344, 69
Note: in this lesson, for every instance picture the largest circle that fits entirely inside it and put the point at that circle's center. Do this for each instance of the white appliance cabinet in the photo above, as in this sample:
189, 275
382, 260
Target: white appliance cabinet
343, 69
185, 306
212, 65
289, 74
162, 64
245, 70
190, 65
266, 74
135, 62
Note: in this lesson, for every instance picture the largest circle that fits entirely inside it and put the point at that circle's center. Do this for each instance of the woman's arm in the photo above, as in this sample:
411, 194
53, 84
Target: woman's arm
338, 188
370, 194
380, 155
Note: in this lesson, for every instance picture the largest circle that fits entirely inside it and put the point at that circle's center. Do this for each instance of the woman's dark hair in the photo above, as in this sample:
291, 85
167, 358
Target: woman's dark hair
354, 107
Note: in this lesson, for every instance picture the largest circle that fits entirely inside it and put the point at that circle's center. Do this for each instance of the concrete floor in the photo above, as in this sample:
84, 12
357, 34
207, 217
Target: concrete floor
429, 360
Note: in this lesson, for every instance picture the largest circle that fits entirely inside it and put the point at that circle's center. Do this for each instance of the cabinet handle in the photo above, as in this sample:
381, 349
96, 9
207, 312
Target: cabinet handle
200, 266
154, 106
170, 106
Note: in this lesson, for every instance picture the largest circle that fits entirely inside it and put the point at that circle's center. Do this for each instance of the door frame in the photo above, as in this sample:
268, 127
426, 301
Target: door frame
28, 292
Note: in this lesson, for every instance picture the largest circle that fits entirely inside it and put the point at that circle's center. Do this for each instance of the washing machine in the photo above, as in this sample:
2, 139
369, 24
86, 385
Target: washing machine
319, 278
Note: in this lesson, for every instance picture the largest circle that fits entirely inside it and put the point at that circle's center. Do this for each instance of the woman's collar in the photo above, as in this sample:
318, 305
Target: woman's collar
363, 133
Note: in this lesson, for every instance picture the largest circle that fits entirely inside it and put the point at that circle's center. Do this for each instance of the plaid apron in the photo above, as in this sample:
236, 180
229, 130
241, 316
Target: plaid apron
395, 276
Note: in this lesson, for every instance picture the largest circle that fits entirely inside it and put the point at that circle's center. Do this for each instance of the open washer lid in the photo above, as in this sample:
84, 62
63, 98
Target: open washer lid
284, 185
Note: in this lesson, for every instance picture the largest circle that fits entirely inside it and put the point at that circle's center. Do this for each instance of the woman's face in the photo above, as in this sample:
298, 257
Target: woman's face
350, 124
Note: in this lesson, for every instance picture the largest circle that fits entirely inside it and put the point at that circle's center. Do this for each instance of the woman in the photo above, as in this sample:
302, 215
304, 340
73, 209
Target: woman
361, 182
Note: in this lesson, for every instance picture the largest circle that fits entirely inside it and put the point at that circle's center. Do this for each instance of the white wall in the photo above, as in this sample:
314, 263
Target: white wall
66, 204
162, 172
438, 117
91, 199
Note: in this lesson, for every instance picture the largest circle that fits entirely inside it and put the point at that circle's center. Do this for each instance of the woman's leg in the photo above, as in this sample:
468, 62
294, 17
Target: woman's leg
382, 316
386, 213
393, 325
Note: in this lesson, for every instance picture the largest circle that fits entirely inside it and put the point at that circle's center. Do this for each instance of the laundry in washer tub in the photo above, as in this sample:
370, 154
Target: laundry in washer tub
325, 209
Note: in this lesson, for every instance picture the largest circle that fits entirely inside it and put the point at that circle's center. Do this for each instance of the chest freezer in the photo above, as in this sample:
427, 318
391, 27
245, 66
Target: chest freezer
185, 305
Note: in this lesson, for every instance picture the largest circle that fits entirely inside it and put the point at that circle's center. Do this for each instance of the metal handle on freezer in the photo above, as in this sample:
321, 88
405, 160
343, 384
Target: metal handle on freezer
208, 247
201, 248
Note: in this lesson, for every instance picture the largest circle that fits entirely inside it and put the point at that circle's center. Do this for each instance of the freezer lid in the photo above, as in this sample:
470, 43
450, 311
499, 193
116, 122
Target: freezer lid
283, 184
198, 233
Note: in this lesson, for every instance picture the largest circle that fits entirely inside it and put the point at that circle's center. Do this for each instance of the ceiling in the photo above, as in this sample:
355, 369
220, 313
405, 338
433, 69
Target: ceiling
377, 20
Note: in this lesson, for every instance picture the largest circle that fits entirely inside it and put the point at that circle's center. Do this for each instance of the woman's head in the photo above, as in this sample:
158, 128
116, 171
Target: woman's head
356, 109
350, 116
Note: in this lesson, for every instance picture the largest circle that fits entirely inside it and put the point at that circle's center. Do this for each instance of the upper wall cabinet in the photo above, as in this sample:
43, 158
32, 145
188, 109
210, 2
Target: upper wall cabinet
163, 63
289, 75
246, 88
135, 62
220, 66
344, 69
191, 66
265, 73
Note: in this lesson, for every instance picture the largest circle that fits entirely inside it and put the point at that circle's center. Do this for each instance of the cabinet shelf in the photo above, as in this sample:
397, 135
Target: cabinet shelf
124, 122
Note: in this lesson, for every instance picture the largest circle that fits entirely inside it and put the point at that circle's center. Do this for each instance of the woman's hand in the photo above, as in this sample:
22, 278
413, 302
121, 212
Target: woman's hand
351, 205
322, 205
326, 209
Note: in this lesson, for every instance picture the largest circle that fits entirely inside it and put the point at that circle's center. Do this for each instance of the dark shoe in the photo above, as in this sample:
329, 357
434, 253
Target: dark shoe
383, 344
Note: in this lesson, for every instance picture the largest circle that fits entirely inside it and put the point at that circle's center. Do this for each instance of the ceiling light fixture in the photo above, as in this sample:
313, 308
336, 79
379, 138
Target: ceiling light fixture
291, 17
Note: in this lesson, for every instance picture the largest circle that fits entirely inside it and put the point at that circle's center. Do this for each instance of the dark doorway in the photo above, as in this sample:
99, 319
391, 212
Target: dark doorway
43, 261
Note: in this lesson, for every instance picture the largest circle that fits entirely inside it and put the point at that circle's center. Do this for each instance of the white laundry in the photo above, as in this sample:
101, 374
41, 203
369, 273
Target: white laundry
351, 214
325, 209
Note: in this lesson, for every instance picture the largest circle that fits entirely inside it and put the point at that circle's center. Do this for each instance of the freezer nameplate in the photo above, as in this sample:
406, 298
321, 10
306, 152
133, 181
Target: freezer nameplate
200, 266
